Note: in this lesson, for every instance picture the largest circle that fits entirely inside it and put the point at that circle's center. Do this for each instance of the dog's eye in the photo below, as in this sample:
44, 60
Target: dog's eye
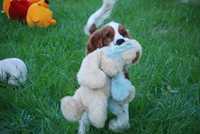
107, 34
123, 31
123, 34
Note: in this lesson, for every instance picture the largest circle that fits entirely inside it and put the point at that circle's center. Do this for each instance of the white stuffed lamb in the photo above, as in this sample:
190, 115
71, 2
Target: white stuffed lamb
13, 71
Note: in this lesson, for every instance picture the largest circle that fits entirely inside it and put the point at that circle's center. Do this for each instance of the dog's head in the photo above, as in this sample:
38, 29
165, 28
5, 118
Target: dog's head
112, 33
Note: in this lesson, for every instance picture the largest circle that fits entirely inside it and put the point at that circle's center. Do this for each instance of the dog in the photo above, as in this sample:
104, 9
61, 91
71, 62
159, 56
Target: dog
106, 35
111, 33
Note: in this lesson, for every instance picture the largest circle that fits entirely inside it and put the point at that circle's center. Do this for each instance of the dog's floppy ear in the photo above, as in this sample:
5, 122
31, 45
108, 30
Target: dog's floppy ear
90, 75
95, 41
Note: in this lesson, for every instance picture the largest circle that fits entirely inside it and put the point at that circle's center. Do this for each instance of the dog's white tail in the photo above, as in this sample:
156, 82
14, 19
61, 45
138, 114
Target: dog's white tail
98, 17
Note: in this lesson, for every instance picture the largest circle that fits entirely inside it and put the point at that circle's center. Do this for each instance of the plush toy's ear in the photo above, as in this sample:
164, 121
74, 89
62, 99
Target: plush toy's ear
90, 74
6, 5
52, 21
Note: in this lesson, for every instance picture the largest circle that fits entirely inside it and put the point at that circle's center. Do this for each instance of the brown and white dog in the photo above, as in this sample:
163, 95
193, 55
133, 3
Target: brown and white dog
110, 33
106, 35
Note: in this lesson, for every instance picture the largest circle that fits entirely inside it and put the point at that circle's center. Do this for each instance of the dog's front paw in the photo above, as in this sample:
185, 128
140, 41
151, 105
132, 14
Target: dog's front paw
118, 126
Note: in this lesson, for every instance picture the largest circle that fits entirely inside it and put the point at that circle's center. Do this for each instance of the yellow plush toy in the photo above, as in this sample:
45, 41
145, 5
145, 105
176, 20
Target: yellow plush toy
34, 12
40, 15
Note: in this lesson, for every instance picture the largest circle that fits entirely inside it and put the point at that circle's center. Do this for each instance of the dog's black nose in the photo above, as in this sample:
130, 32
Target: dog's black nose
120, 41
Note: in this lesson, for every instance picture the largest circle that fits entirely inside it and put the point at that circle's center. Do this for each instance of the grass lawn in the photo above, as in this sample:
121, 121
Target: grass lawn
167, 79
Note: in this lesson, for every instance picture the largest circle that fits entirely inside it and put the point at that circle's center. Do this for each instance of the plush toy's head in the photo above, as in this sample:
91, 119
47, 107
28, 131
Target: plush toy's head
116, 57
127, 52
40, 15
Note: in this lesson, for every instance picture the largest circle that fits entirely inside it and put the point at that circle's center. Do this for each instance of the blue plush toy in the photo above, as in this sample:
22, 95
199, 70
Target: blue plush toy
120, 86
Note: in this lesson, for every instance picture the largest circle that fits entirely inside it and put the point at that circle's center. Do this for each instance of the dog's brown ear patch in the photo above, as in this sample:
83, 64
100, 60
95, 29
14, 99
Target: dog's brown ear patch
100, 38
95, 41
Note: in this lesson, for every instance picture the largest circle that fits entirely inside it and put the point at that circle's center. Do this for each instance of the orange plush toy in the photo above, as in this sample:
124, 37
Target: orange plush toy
34, 12
39, 14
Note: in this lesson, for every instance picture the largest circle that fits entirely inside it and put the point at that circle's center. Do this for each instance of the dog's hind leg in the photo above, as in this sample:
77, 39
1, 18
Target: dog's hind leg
84, 124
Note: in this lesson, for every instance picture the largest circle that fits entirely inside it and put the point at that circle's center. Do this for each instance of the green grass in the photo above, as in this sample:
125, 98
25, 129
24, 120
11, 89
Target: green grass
167, 78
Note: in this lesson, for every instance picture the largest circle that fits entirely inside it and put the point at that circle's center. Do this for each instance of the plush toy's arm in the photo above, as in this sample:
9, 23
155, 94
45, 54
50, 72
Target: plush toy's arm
52, 21
111, 62
110, 66
131, 95
90, 75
